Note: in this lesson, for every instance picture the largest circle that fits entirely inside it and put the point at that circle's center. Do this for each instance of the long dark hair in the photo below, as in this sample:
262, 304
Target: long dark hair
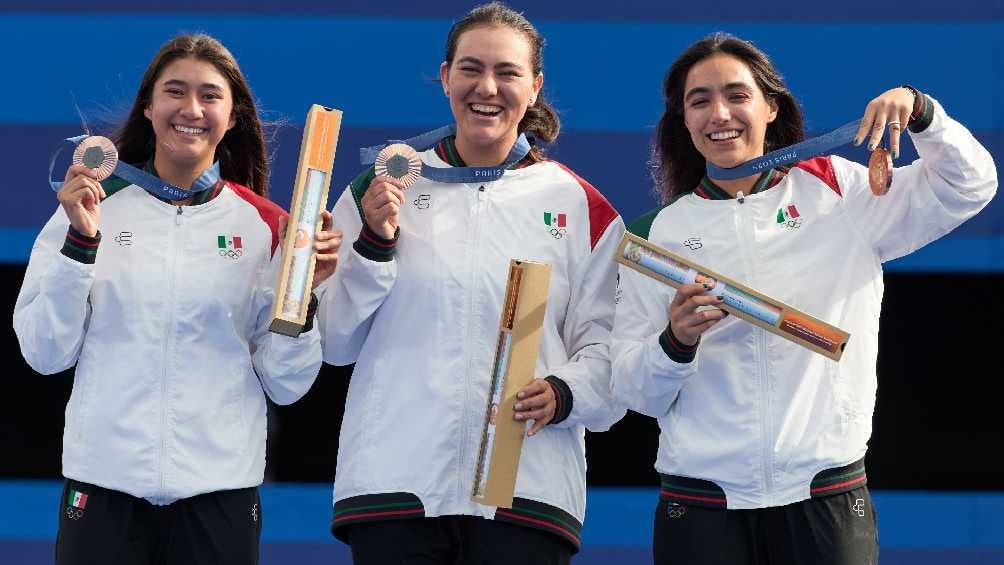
677, 165
540, 119
241, 152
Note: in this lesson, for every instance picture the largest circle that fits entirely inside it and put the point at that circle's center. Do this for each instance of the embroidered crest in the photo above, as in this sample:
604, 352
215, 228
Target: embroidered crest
230, 246
558, 224
789, 218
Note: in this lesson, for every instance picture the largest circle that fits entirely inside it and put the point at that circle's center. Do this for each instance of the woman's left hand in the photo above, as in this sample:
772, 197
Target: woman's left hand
326, 246
892, 108
535, 402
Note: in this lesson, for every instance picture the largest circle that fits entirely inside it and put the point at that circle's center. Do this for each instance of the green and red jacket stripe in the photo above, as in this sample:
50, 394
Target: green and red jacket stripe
829, 482
562, 399
80, 247
674, 349
923, 112
369, 244
691, 492
407, 506
699, 492
545, 517
374, 508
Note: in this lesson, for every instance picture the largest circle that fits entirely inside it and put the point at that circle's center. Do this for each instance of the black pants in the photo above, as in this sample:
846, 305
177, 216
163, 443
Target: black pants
101, 526
835, 530
454, 540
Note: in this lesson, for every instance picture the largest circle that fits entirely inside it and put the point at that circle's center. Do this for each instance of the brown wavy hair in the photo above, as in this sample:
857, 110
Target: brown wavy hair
241, 152
540, 119
677, 166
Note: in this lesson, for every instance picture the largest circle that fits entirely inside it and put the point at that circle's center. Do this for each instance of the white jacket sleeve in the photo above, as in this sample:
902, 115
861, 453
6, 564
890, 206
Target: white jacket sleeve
286, 366
52, 310
588, 323
953, 179
353, 294
645, 379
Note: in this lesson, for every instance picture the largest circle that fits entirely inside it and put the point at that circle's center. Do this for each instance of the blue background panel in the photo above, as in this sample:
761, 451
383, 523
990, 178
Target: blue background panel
918, 528
603, 73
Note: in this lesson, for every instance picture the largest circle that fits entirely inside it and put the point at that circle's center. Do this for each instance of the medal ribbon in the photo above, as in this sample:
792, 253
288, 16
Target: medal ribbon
421, 142
143, 179
787, 155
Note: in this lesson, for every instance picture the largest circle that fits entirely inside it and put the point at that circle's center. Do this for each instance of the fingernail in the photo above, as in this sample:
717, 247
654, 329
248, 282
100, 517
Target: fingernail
726, 313
721, 297
871, 146
519, 406
857, 141
895, 154
706, 286
519, 395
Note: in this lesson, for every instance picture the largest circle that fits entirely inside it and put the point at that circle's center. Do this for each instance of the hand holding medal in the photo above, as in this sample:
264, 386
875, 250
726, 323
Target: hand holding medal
93, 161
891, 110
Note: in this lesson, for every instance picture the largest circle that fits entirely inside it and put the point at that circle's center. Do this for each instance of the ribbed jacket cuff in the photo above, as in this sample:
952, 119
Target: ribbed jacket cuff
80, 247
562, 399
311, 311
373, 247
674, 349
923, 111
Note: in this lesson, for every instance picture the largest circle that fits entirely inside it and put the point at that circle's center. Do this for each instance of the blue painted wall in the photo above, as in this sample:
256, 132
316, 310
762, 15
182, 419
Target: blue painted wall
71, 62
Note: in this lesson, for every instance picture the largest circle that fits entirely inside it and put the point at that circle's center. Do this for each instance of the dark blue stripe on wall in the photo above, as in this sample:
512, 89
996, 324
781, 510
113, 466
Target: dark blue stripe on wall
644, 10
600, 76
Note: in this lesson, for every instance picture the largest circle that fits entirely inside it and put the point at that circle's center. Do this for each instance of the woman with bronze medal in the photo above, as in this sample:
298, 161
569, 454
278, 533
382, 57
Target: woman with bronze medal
159, 289
416, 305
762, 445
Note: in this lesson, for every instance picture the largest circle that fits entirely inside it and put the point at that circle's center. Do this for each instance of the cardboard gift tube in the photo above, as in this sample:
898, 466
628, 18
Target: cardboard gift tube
515, 358
746, 303
310, 197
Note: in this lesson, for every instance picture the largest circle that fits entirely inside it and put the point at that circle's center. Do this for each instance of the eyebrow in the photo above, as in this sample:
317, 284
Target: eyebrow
705, 90
476, 61
205, 85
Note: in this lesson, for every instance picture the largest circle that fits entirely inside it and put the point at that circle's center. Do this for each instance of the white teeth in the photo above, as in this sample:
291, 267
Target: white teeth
720, 135
193, 131
486, 109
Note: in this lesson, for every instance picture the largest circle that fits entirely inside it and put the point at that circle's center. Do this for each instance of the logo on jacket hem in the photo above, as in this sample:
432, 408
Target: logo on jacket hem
423, 201
557, 223
789, 218
693, 243
230, 246
76, 501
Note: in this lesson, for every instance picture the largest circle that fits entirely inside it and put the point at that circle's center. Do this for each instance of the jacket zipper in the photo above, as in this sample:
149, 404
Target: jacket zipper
746, 235
471, 324
167, 347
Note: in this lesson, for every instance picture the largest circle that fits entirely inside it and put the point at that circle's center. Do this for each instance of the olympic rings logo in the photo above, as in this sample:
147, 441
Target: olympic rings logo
558, 233
74, 513
793, 224
232, 253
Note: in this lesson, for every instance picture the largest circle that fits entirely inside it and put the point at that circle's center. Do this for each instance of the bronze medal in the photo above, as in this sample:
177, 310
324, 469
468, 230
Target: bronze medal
880, 171
399, 161
98, 153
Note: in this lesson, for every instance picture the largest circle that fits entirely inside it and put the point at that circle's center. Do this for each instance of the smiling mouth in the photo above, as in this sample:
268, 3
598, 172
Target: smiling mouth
724, 135
189, 130
489, 110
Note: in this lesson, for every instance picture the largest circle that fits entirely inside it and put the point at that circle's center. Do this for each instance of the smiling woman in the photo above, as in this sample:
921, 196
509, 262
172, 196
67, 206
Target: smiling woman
407, 450
762, 444
164, 444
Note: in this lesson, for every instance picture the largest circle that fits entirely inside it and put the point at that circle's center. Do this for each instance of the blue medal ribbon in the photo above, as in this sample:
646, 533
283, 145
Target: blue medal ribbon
143, 179
421, 142
787, 155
